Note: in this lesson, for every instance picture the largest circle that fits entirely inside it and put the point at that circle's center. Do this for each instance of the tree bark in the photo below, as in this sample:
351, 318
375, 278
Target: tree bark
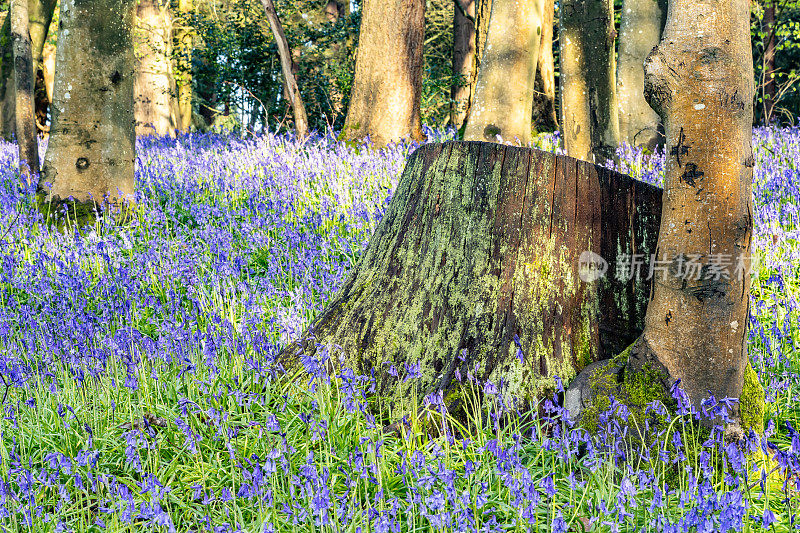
700, 80
479, 251
464, 45
504, 91
23, 78
41, 99
545, 117
483, 14
387, 86
640, 30
49, 69
155, 99
290, 82
91, 150
40, 14
183, 63
588, 79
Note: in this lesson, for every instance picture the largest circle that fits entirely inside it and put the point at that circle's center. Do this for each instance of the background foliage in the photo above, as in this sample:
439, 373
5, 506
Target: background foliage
237, 71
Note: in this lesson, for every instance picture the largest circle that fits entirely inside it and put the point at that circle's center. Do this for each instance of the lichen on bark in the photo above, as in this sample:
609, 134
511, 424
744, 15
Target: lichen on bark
473, 270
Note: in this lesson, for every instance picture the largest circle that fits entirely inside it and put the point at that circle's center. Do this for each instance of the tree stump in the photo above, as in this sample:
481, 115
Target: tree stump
474, 268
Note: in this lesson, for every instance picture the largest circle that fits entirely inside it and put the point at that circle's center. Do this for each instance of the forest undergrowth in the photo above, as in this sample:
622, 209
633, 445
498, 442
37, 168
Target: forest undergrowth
139, 390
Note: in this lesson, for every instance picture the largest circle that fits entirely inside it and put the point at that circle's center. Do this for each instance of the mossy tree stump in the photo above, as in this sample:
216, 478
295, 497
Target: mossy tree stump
474, 268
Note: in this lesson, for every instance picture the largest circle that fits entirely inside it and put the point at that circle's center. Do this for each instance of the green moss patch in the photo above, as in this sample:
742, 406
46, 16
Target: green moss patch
637, 390
751, 403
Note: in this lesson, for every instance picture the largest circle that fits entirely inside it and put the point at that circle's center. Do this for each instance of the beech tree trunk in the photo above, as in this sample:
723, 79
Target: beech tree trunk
700, 80
504, 91
91, 150
41, 96
183, 63
545, 117
588, 79
40, 13
49, 69
640, 30
23, 78
464, 62
155, 99
478, 251
387, 86
290, 82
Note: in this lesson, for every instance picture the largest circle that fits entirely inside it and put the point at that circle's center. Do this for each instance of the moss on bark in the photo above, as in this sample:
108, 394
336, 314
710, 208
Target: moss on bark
637, 389
634, 390
751, 403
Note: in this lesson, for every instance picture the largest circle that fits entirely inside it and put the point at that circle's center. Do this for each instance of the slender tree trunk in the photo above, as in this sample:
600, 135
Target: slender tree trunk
49, 69
41, 100
332, 11
770, 92
23, 77
504, 92
183, 63
700, 80
545, 117
387, 86
40, 13
155, 102
44, 88
588, 79
91, 150
463, 60
640, 30
482, 10
290, 82
483, 13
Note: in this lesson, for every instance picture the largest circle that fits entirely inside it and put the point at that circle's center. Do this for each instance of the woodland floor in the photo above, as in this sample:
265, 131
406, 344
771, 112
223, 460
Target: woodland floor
139, 391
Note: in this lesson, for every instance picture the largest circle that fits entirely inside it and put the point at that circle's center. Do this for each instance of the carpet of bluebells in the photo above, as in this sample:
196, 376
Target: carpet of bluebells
139, 391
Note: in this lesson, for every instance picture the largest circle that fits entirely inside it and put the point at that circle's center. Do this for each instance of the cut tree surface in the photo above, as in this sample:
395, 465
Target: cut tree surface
474, 269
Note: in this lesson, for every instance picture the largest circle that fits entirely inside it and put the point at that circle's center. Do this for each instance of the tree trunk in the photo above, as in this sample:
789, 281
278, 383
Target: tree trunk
91, 150
41, 100
23, 78
463, 60
483, 13
770, 92
155, 102
183, 63
40, 13
290, 82
640, 30
44, 88
588, 79
387, 86
205, 93
479, 251
544, 95
49, 69
700, 80
332, 11
504, 92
